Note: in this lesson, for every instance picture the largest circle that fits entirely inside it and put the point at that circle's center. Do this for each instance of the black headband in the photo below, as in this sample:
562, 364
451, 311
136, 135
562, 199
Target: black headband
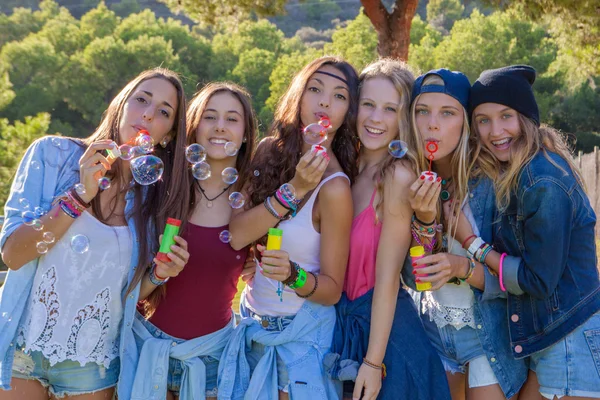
333, 76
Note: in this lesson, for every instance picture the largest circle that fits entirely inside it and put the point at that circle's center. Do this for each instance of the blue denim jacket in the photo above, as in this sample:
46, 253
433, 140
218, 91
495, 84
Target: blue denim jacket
49, 167
490, 306
553, 285
301, 345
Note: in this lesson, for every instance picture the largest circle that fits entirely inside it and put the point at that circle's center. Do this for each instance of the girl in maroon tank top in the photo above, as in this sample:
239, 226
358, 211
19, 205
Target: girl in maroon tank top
197, 304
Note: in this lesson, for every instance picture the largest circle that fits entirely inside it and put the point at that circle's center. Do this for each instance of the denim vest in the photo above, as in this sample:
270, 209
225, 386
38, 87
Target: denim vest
301, 345
49, 168
490, 305
551, 274
153, 366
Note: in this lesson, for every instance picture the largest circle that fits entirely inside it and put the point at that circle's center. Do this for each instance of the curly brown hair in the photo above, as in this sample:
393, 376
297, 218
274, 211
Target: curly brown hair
277, 156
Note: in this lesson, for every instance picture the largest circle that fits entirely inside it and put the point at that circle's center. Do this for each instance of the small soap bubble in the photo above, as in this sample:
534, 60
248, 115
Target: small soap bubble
103, 183
201, 171
80, 244
225, 236
314, 134
127, 152
236, 200
24, 204
231, 149
195, 153
49, 237
145, 142
35, 165
256, 172
39, 211
238, 257
289, 188
439, 228
37, 225
28, 217
56, 142
230, 175
80, 189
397, 148
41, 247
147, 170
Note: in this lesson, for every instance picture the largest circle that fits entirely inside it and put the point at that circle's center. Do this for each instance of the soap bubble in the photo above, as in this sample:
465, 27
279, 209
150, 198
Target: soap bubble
37, 224
28, 217
231, 149
439, 228
127, 152
195, 153
49, 237
289, 188
56, 142
397, 148
256, 172
24, 204
41, 247
145, 142
314, 134
236, 200
80, 244
39, 211
35, 164
230, 175
147, 170
80, 189
103, 183
225, 236
201, 171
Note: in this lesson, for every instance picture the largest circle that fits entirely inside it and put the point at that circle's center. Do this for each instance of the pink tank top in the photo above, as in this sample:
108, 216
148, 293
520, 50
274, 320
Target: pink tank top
364, 240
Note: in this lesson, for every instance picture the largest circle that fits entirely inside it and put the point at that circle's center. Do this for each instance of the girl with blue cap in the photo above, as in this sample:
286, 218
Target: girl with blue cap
463, 315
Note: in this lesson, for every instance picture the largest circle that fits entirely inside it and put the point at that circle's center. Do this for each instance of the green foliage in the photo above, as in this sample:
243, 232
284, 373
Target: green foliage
99, 22
357, 42
253, 71
14, 140
443, 13
586, 141
211, 10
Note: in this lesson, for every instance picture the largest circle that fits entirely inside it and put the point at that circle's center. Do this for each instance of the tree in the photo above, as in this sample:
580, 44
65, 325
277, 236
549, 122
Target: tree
211, 10
357, 42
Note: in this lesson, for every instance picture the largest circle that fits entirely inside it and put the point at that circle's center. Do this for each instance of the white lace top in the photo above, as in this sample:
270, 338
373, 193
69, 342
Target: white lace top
452, 304
75, 307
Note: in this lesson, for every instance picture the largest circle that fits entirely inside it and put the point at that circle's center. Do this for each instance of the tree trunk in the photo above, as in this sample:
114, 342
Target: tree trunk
393, 29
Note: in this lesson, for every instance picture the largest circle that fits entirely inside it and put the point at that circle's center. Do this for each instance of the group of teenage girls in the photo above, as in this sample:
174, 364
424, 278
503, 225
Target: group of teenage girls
513, 309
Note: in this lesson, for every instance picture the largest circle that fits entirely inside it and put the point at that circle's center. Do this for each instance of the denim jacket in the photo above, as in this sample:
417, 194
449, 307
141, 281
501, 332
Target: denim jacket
301, 345
151, 374
551, 272
49, 168
490, 305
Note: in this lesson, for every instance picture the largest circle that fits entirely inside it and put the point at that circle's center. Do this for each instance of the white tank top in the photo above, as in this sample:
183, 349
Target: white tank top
75, 307
303, 244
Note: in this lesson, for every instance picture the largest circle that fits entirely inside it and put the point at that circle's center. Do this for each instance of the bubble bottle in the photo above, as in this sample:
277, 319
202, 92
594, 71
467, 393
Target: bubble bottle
168, 240
274, 243
417, 252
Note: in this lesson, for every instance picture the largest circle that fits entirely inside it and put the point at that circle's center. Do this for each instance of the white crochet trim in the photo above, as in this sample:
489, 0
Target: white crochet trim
444, 315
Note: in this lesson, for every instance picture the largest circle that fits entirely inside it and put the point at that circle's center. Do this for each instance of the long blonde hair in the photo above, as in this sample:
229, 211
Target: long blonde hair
461, 162
400, 75
532, 140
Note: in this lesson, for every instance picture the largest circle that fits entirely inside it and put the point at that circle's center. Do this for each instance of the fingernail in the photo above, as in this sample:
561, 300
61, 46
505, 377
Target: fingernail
439, 179
414, 264
414, 271
431, 178
418, 280
422, 177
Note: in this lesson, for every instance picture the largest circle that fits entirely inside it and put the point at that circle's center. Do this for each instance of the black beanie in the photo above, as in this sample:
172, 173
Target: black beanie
509, 86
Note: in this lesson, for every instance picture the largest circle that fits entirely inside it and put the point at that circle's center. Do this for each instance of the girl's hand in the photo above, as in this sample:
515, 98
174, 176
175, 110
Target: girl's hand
423, 197
179, 257
93, 166
309, 172
463, 226
440, 268
368, 379
249, 267
275, 264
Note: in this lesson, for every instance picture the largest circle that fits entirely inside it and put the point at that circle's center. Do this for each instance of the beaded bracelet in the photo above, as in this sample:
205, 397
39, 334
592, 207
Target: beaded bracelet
306, 296
471, 270
281, 201
288, 194
69, 209
154, 278
286, 203
381, 367
428, 247
74, 202
271, 209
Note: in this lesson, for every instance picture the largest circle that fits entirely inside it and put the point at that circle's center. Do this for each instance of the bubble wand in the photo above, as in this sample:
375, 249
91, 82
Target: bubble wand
431, 148
316, 133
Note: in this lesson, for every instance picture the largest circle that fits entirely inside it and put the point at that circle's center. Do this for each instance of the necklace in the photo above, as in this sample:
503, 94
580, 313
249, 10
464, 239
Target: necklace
209, 203
445, 194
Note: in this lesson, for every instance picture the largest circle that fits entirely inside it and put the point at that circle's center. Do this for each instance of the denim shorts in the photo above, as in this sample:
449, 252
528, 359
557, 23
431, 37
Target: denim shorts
273, 324
176, 366
571, 367
459, 347
66, 378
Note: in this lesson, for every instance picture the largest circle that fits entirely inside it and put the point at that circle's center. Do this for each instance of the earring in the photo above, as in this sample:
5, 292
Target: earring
165, 141
244, 140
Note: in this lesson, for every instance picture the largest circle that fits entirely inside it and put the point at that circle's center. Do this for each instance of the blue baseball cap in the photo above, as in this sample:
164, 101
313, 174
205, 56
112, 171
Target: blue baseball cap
456, 85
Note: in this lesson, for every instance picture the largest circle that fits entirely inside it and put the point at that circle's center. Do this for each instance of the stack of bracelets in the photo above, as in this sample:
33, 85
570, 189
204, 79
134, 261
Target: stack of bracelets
286, 197
479, 249
421, 229
297, 279
155, 278
72, 204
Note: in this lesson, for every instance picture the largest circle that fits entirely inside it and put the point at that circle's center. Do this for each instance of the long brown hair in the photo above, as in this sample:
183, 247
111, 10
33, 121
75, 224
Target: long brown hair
400, 75
532, 140
244, 156
152, 204
276, 158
